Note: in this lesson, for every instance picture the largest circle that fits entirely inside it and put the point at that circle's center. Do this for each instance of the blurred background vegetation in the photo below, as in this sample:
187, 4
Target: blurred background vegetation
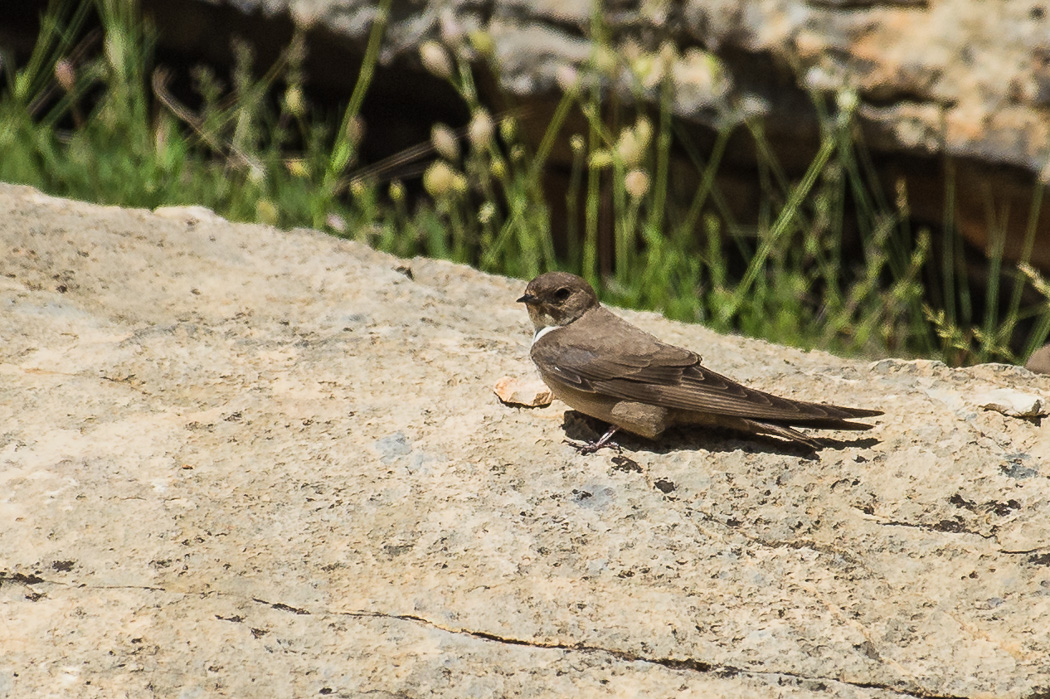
833, 262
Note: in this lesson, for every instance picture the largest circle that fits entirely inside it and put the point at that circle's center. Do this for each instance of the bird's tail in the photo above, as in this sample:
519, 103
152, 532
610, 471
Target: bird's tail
784, 431
787, 431
831, 424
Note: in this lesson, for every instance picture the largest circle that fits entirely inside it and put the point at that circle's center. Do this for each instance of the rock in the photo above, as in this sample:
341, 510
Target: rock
297, 478
1040, 360
530, 393
190, 215
1010, 402
920, 367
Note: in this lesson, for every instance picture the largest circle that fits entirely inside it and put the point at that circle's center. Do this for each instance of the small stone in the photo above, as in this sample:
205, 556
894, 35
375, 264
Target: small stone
1039, 362
921, 367
1011, 402
531, 393
190, 215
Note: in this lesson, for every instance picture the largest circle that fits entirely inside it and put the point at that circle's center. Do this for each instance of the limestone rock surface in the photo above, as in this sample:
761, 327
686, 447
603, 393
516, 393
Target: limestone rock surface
237, 461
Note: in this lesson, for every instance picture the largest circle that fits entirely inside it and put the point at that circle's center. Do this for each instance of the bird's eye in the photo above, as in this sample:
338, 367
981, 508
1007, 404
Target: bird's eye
562, 293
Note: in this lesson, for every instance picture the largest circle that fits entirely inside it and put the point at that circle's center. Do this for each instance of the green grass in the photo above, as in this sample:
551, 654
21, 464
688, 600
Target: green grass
89, 116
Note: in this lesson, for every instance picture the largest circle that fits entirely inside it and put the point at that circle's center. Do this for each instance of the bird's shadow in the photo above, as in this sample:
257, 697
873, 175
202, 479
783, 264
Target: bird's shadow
583, 428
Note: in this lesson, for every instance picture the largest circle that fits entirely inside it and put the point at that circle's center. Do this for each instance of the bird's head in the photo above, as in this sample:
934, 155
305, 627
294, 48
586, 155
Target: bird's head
557, 298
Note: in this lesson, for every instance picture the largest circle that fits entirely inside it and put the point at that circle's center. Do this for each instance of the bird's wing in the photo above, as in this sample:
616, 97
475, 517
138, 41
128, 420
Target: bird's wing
608, 356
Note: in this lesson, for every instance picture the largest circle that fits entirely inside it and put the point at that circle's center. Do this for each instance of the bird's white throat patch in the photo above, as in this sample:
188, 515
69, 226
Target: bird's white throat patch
543, 331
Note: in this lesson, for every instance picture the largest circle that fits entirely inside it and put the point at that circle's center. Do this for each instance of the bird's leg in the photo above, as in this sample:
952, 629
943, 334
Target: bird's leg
591, 447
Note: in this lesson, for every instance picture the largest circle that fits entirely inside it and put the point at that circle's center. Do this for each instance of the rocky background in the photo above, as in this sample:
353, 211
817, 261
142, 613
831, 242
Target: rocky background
953, 96
238, 461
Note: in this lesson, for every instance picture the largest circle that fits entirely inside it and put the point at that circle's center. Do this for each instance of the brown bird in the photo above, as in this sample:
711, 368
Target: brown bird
602, 366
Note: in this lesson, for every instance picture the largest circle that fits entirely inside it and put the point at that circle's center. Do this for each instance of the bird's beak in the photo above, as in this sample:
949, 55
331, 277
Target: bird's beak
528, 299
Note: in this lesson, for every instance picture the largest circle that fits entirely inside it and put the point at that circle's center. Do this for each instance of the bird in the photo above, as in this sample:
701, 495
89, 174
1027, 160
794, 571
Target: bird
602, 366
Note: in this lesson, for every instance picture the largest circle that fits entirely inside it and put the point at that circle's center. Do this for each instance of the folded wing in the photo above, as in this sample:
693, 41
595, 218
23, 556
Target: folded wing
630, 364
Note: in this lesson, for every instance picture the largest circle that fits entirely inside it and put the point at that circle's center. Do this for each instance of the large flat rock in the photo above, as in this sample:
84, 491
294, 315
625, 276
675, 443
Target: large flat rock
241, 461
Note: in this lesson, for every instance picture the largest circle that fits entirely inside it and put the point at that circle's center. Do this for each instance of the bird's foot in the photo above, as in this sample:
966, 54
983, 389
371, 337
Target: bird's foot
591, 447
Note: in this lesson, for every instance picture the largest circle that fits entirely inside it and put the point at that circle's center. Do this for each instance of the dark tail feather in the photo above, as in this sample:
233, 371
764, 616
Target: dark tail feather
787, 431
781, 431
831, 424
830, 413
859, 412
